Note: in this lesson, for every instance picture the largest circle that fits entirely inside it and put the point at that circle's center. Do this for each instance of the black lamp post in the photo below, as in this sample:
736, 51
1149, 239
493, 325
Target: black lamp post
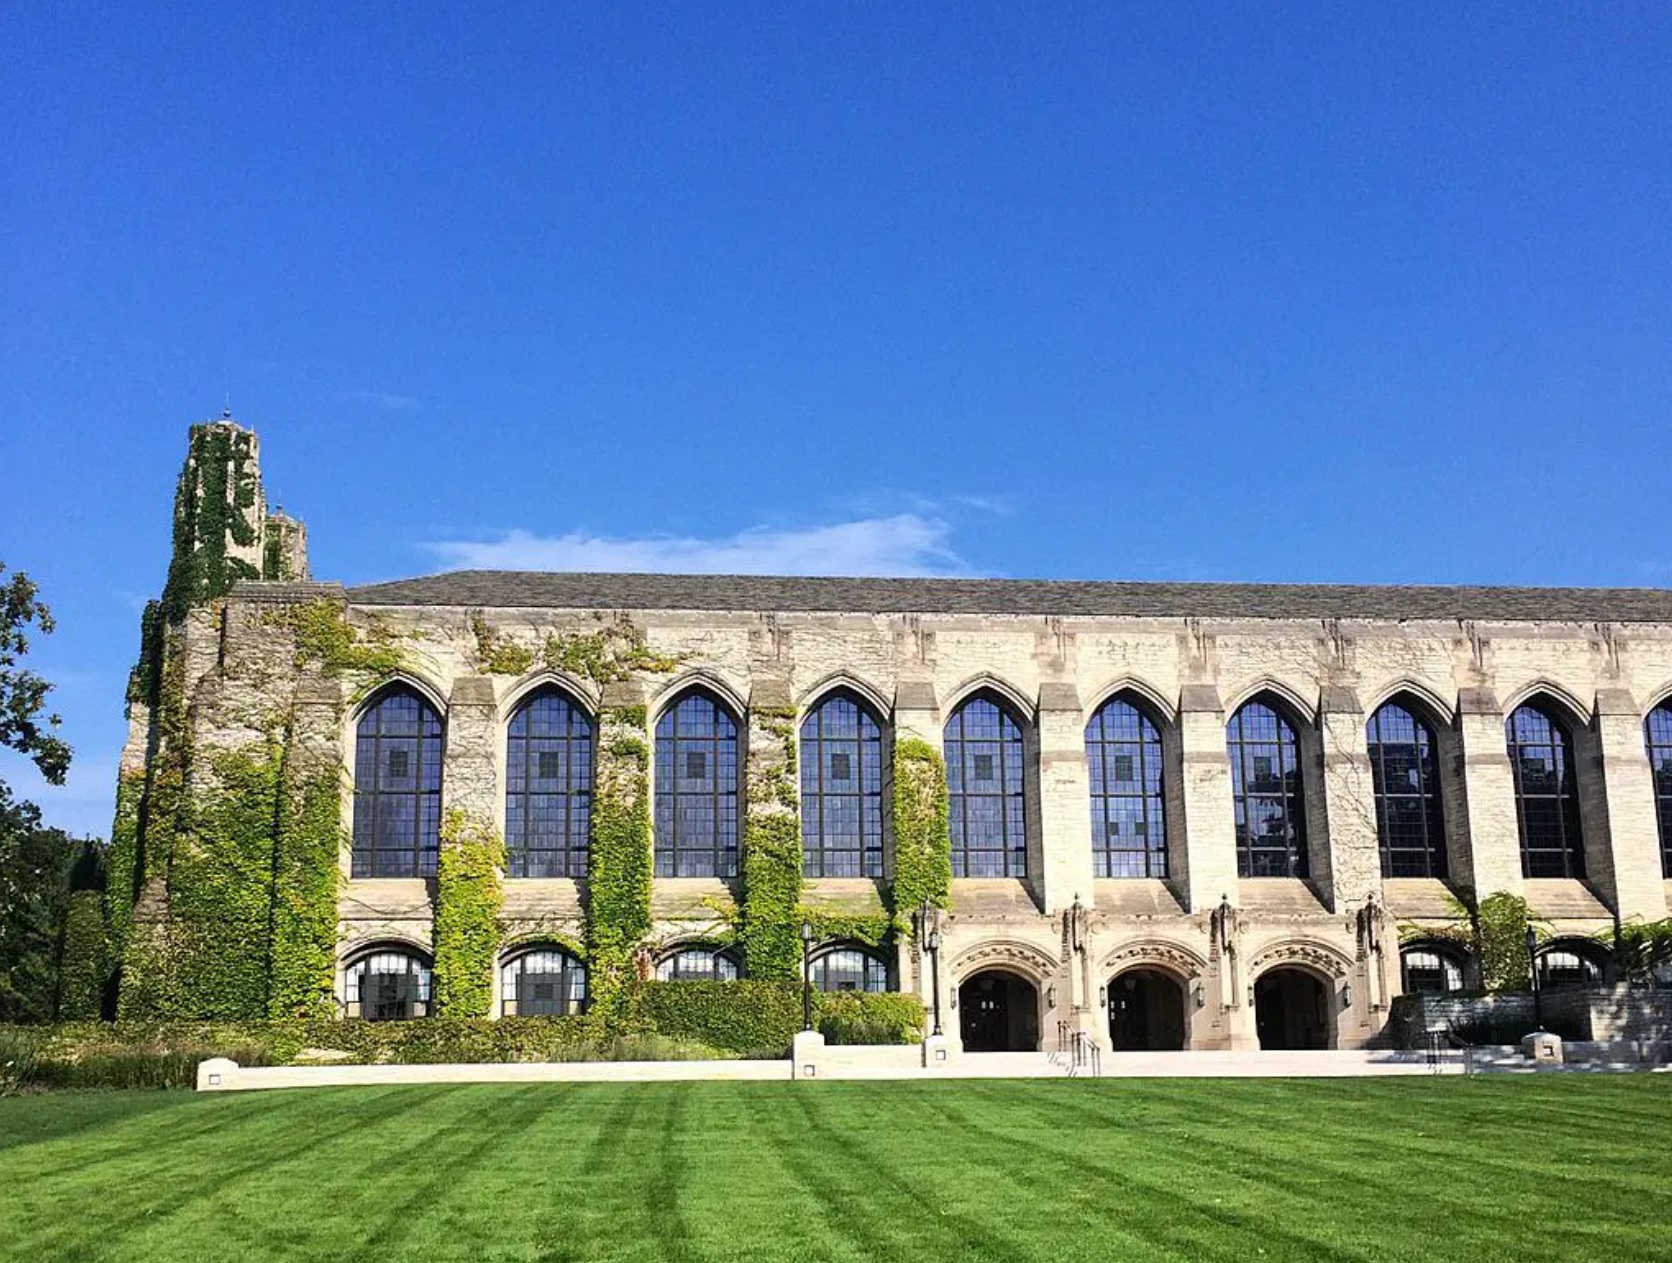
1532, 966
806, 975
932, 944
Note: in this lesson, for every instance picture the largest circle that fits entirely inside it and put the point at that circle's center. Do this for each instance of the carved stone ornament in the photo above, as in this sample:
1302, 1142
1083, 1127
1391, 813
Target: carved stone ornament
1023, 958
1175, 958
1319, 956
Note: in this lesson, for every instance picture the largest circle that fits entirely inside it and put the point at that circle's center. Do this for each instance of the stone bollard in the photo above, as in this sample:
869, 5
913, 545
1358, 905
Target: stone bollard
805, 1055
1542, 1048
216, 1074
939, 1052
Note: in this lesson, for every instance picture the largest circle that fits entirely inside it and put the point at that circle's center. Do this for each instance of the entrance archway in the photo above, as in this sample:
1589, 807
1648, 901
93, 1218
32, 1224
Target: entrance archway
1146, 1012
998, 1012
1292, 1009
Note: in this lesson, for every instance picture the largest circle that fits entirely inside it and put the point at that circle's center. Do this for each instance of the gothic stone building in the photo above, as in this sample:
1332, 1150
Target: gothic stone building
1177, 815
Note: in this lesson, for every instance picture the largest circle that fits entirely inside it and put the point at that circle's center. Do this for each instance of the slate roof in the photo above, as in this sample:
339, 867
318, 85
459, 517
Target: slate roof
515, 589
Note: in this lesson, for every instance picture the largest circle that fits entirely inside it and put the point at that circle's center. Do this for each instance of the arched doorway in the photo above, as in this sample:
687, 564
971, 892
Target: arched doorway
998, 1012
1146, 1012
1291, 1009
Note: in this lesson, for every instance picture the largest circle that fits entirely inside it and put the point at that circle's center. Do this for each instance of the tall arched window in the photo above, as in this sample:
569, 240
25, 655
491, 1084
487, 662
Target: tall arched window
1546, 794
1128, 822
548, 788
545, 982
1405, 770
1658, 728
388, 985
1429, 967
987, 794
1267, 791
696, 789
841, 790
397, 787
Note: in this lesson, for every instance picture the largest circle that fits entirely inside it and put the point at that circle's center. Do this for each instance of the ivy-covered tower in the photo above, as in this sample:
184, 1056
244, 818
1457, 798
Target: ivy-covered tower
195, 848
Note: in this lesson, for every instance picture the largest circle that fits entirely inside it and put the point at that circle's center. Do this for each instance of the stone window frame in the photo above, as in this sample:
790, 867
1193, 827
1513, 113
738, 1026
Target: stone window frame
728, 793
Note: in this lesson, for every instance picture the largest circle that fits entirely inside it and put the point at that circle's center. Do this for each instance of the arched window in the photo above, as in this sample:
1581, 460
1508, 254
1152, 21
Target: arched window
849, 969
1405, 769
1658, 728
696, 789
841, 790
697, 964
1268, 794
388, 985
1428, 968
1128, 822
987, 794
397, 787
548, 788
1546, 794
545, 982
1568, 965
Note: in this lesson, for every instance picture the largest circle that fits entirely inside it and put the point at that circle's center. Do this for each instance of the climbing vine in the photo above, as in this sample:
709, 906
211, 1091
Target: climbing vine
619, 862
922, 837
770, 914
609, 655
308, 839
325, 637
213, 504
469, 897
84, 961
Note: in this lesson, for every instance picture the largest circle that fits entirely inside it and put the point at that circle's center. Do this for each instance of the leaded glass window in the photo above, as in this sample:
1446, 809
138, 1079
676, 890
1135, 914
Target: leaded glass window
849, 969
546, 982
388, 986
397, 787
841, 790
987, 795
1546, 794
1405, 770
1128, 821
697, 964
1568, 967
1658, 728
1428, 969
1267, 793
696, 789
548, 788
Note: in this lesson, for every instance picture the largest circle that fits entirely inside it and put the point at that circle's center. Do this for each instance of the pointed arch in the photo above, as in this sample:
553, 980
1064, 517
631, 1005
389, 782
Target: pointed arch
1541, 733
1300, 711
837, 681
1403, 746
1440, 712
698, 679
987, 786
1024, 959
1126, 768
1268, 787
1163, 710
1020, 704
421, 684
1545, 694
582, 694
843, 762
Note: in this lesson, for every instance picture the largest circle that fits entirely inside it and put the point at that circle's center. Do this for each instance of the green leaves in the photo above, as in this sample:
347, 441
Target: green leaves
22, 692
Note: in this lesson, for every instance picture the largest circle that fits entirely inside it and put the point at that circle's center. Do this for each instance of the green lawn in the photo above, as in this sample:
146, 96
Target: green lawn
1526, 1169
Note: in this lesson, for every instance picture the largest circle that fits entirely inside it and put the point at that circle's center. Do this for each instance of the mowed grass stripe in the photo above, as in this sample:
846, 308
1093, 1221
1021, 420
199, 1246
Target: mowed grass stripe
1392, 1170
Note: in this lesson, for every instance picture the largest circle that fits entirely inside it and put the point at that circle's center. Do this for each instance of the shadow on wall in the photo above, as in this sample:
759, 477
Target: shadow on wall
1588, 1013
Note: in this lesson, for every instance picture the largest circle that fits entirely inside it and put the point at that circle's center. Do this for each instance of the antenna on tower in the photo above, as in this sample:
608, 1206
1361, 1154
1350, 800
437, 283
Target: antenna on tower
226, 412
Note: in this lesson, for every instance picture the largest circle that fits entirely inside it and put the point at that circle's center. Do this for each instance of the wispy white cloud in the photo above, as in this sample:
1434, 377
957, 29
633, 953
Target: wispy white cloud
901, 545
82, 804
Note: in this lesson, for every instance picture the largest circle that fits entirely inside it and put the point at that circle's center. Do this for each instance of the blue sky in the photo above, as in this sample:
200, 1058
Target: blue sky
1264, 292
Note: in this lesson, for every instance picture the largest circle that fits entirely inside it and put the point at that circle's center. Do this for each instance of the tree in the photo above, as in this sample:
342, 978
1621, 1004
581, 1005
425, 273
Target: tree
36, 864
22, 692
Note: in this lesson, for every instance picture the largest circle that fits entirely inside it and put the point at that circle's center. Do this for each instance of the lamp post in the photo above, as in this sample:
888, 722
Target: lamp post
806, 975
1532, 968
932, 944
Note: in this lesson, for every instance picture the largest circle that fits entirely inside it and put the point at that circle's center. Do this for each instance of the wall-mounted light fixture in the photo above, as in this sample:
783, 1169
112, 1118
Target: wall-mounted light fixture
1051, 996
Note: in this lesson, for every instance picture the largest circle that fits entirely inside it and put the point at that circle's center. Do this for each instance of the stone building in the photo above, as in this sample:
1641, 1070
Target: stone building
1177, 815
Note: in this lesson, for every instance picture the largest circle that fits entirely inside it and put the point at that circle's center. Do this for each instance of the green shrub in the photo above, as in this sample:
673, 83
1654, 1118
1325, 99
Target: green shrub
751, 1017
857, 1017
19, 1054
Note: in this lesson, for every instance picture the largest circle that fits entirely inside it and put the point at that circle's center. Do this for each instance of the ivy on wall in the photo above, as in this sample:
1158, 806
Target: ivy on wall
84, 959
326, 639
1500, 924
922, 834
609, 655
469, 896
619, 861
770, 915
308, 839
